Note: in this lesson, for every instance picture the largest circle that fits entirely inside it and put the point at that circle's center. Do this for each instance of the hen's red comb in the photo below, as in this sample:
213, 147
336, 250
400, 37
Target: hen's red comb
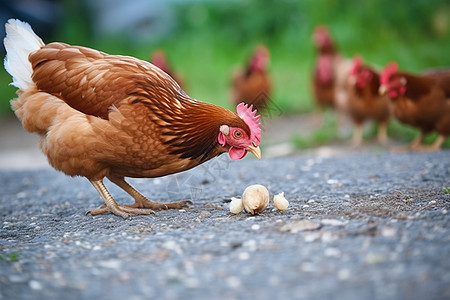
252, 120
356, 64
390, 69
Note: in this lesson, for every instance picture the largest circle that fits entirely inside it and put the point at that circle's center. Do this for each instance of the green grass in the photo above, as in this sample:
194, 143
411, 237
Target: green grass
326, 133
12, 257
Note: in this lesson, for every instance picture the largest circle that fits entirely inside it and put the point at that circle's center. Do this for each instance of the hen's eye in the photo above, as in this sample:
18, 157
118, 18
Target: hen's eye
237, 134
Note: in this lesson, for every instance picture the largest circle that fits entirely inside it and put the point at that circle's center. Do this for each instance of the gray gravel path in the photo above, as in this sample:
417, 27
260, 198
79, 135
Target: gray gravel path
360, 226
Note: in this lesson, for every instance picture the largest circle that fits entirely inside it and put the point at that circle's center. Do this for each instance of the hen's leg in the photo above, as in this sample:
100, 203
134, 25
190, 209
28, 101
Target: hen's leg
357, 134
111, 205
436, 146
141, 201
382, 133
415, 144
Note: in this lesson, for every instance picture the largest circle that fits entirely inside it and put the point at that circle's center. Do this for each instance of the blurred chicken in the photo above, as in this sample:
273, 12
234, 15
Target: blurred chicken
364, 101
422, 101
331, 72
253, 85
158, 58
115, 116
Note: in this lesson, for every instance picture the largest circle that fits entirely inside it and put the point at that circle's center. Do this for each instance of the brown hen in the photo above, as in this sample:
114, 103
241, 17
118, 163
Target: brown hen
330, 73
364, 101
253, 85
113, 116
421, 101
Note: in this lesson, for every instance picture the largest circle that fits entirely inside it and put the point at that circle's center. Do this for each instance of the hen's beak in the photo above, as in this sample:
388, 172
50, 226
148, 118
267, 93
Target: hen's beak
382, 90
255, 151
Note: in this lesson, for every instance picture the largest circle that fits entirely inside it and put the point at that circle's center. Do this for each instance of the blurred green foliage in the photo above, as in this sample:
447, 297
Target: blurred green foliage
211, 38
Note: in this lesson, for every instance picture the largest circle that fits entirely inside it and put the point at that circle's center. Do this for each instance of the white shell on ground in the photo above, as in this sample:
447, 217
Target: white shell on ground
280, 202
255, 199
236, 205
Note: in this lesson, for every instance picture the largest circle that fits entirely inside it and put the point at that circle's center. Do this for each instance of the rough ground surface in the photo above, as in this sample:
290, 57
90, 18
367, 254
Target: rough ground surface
359, 226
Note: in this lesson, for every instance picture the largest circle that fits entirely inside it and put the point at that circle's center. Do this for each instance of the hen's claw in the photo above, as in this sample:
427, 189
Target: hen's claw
147, 204
121, 210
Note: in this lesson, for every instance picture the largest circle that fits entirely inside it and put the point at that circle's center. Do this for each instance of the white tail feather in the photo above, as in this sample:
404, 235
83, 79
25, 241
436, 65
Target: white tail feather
19, 42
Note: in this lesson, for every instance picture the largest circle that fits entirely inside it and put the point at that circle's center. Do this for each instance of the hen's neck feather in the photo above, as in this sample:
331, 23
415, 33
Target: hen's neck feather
416, 86
190, 127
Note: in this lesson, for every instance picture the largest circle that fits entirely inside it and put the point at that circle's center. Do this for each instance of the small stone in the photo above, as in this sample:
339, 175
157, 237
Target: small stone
234, 282
402, 216
244, 256
111, 264
374, 258
255, 227
17, 278
302, 225
204, 213
333, 252
344, 274
333, 222
388, 231
35, 285
21, 195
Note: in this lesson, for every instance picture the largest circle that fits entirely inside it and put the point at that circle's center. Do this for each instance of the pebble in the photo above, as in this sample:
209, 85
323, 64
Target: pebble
388, 231
334, 252
111, 264
374, 258
344, 274
17, 278
233, 282
333, 222
302, 225
256, 227
35, 285
244, 255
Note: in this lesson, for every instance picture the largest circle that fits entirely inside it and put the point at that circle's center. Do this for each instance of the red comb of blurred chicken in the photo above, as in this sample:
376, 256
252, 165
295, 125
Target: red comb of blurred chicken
159, 59
422, 101
113, 116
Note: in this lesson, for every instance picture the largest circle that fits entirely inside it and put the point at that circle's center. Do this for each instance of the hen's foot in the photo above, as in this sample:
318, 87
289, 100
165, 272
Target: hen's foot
401, 149
147, 204
382, 135
141, 201
427, 148
123, 211
415, 144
